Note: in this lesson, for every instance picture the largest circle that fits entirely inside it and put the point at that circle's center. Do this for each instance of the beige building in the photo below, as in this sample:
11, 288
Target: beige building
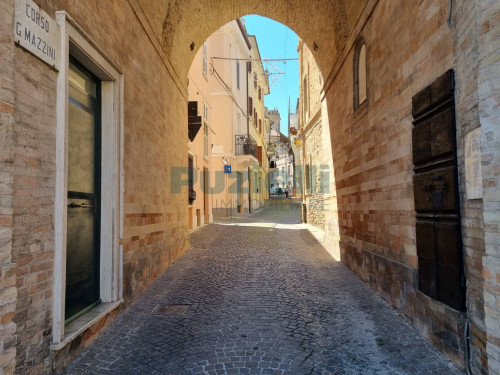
258, 87
235, 142
200, 133
281, 177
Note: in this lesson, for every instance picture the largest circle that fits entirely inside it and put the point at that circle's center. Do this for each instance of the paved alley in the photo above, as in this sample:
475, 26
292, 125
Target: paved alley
259, 295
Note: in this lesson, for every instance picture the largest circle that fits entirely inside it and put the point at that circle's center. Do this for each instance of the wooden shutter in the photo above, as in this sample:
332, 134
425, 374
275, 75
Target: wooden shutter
435, 184
259, 154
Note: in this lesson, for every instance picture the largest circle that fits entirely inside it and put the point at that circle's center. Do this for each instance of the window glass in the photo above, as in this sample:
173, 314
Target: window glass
362, 74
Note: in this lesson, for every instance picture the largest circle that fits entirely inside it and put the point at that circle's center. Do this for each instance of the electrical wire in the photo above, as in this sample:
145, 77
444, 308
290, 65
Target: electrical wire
266, 60
225, 86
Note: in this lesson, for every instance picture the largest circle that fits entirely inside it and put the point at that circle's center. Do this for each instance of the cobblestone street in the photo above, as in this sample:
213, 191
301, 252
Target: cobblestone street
261, 296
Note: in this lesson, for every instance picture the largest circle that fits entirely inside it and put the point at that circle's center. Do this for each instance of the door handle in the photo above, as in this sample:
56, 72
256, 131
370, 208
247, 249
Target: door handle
83, 205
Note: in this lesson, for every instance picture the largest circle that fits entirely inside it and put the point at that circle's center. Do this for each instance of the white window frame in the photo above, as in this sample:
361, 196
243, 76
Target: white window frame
360, 75
74, 41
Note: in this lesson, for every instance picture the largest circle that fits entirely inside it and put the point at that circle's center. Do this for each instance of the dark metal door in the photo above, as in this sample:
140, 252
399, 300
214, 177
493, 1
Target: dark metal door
83, 234
439, 247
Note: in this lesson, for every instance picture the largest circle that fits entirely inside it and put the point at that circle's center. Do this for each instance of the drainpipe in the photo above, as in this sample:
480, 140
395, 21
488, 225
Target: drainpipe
467, 346
248, 104
248, 140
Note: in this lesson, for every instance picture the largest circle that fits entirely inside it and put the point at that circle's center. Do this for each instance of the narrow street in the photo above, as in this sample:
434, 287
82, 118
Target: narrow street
259, 295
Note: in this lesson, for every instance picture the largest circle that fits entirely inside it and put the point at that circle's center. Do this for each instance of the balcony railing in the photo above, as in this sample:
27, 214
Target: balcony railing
245, 145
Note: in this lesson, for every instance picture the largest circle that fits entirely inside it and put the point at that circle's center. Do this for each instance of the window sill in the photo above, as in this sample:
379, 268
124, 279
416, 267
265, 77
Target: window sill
84, 322
360, 112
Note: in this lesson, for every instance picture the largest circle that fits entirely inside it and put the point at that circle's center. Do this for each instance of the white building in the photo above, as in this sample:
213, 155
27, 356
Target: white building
281, 175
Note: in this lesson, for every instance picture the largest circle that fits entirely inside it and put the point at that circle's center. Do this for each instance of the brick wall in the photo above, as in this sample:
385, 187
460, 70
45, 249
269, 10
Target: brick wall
408, 46
8, 291
315, 194
314, 154
33, 203
155, 224
155, 220
466, 65
321, 202
488, 29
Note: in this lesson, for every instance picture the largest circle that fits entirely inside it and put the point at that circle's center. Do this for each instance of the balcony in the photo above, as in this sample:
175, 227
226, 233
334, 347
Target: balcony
246, 151
245, 145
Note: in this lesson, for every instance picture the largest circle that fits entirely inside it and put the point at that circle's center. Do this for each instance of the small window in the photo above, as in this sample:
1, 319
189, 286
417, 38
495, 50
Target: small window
238, 74
360, 85
306, 98
205, 68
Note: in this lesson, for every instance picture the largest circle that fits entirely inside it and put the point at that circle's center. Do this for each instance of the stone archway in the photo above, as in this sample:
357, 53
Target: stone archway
409, 45
371, 147
179, 24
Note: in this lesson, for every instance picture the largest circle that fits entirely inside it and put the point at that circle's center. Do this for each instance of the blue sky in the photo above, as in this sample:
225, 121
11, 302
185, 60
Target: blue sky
278, 41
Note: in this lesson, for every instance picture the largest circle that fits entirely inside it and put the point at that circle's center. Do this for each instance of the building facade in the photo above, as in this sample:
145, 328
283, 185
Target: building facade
117, 69
282, 159
234, 142
200, 132
259, 131
318, 180
296, 147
